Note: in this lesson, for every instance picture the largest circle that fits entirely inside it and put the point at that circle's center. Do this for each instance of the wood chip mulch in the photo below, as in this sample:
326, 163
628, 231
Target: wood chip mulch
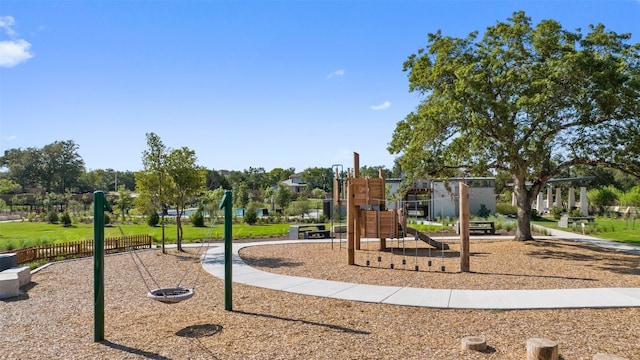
54, 317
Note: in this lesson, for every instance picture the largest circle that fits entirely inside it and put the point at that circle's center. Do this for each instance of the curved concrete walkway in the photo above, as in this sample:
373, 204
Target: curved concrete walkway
213, 262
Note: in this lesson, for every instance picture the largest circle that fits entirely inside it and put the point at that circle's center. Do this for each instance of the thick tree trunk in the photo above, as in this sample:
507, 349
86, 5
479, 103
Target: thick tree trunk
523, 203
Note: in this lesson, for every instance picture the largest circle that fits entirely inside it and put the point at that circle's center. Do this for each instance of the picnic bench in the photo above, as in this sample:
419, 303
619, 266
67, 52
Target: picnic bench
309, 231
487, 227
581, 219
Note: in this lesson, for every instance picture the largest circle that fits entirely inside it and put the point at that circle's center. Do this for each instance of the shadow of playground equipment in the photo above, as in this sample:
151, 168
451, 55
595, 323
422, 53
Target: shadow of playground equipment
146, 354
314, 323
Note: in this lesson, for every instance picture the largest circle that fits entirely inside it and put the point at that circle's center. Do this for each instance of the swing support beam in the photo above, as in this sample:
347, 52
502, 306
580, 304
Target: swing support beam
100, 204
227, 203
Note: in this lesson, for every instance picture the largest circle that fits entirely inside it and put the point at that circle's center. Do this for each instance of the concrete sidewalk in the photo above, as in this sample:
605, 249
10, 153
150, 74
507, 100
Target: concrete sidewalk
213, 262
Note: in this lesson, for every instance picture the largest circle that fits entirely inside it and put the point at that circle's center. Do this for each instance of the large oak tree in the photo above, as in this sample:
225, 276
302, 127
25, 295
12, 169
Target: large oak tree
525, 100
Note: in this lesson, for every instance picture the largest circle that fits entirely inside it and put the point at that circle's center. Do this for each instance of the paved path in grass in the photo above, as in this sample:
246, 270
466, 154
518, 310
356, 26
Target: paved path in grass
213, 262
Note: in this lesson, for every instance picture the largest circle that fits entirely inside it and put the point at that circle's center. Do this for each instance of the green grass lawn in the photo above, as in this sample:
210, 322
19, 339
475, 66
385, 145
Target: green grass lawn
16, 235
604, 228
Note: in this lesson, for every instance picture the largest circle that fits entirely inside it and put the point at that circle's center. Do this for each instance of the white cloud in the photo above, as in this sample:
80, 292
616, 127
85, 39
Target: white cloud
337, 73
385, 105
6, 22
15, 51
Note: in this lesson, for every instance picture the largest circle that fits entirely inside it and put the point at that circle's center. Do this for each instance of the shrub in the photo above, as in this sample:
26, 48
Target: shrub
251, 216
506, 209
65, 219
153, 219
556, 212
52, 217
197, 219
107, 219
535, 215
483, 212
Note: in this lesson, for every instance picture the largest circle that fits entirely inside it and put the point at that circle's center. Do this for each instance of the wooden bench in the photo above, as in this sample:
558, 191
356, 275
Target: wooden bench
311, 231
582, 219
487, 227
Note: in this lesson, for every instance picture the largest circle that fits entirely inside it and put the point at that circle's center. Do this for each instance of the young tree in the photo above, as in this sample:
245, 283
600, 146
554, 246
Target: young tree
211, 202
153, 185
188, 179
283, 197
526, 100
124, 201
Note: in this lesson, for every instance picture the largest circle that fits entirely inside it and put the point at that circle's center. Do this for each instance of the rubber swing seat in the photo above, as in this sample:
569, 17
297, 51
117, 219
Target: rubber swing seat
171, 295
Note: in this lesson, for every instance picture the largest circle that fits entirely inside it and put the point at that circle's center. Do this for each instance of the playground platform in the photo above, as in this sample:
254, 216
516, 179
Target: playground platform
213, 262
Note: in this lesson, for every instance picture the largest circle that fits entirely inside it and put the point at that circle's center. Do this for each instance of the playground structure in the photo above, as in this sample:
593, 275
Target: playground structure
367, 213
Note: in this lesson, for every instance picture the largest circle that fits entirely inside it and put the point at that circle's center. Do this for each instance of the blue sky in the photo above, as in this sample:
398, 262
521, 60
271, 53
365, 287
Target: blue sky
272, 84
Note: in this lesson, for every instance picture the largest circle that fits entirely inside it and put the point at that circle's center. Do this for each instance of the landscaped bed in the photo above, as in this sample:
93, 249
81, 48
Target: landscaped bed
54, 319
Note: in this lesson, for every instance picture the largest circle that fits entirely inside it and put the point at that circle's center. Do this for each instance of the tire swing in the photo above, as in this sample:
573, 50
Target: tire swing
167, 294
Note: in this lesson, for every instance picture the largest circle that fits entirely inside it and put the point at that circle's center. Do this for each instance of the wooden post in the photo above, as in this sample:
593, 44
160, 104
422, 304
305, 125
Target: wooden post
351, 223
464, 227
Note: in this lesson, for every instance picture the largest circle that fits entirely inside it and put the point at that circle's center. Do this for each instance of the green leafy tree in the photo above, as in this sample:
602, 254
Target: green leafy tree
276, 175
283, 197
603, 197
188, 179
216, 180
251, 215
242, 196
373, 171
318, 178
8, 186
211, 201
299, 207
60, 166
23, 166
526, 100
631, 197
124, 201
153, 184
270, 194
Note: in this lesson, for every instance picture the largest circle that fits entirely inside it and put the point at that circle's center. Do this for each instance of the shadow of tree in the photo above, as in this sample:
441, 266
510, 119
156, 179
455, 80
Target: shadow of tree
270, 262
603, 259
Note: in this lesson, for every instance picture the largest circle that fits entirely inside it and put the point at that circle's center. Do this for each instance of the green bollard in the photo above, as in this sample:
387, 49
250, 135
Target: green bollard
227, 203
100, 204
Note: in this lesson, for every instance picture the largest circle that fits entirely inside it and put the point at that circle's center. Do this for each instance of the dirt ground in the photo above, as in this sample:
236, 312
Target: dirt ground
54, 317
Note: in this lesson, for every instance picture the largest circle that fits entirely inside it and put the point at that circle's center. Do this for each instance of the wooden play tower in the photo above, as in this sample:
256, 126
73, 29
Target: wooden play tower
367, 215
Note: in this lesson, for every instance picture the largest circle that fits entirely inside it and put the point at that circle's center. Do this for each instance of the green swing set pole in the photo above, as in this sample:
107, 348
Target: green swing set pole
100, 204
227, 203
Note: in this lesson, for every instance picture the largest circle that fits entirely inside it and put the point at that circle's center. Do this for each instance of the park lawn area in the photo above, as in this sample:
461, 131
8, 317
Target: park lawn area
618, 230
17, 235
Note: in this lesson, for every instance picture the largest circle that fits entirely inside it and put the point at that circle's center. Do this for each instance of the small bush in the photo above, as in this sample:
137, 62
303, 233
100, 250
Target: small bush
483, 212
52, 217
65, 219
250, 216
153, 219
556, 212
107, 219
197, 219
506, 209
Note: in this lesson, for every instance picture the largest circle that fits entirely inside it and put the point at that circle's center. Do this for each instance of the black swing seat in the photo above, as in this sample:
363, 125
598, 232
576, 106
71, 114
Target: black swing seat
171, 295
